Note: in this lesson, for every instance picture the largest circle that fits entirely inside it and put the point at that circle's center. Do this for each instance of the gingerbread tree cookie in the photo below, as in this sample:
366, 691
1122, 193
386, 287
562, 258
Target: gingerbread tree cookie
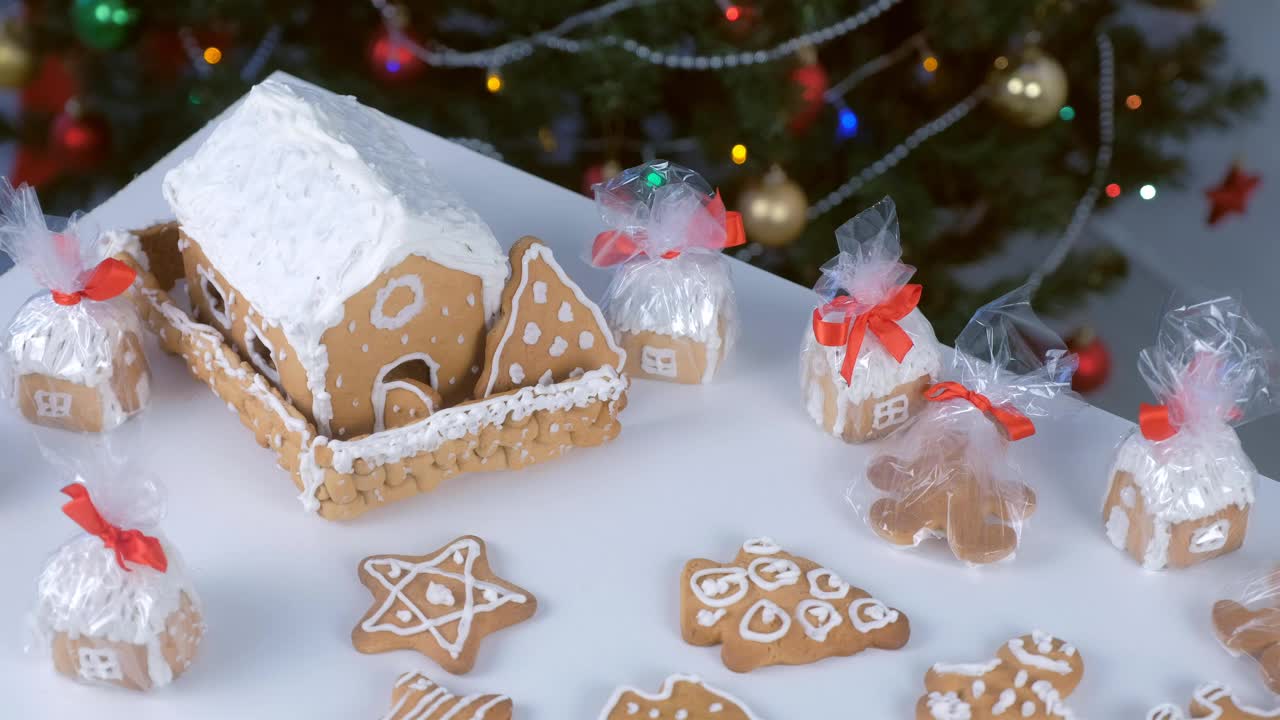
547, 330
1213, 701
441, 604
769, 607
417, 697
682, 696
1030, 677
1255, 633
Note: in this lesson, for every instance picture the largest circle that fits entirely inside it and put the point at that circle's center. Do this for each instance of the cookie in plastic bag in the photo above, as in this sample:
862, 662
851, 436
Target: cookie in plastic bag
948, 475
1249, 625
1181, 485
870, 353
72, 356
114, 606
671, 300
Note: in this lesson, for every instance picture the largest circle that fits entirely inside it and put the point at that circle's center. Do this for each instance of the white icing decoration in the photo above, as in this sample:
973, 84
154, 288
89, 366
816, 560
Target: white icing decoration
213, 289
1128, 496
1039, 661
761, 546
413, 284
708, 618
517, 373
836, 589
565, 314
463, 552
770, 614
539, 292
948, 706
438, 594
586, 340
546, 378
968, 669
1020, 679
825, 614
784, 572
719, 587
98, 664
471, 299
890, 412
665, 694
434, 697
531, 333
869, 614
659, 361
979, 688
1006, 700
264, 365
381, 387
1211, 695
1118, 527
1211, 537
558, 346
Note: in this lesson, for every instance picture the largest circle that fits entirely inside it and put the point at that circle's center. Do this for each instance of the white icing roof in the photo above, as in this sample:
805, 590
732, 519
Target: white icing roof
75, 343
301, 198
1188, 476
682, 297
877, 372
83, 591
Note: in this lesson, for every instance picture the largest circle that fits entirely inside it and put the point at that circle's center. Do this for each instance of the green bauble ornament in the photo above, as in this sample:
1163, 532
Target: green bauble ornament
104, 24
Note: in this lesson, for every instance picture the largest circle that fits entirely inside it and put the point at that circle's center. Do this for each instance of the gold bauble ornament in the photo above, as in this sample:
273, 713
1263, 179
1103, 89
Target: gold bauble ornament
773, 210
16, 61
1031, 91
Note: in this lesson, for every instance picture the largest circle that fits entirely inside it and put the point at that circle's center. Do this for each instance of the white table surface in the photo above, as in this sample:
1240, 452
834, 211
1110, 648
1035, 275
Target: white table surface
601, 536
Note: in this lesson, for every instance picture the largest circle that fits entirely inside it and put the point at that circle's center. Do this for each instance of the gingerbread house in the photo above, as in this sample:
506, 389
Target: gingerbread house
137, 628
358, 316
1174, 504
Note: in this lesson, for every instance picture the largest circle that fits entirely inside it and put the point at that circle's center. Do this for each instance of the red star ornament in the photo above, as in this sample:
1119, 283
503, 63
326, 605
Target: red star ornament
1232, 194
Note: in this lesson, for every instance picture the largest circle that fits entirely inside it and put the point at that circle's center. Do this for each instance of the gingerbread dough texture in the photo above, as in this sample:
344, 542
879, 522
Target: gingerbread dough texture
682, 696
418, 697
769, 607
441, 604
1213, 701
1030, 678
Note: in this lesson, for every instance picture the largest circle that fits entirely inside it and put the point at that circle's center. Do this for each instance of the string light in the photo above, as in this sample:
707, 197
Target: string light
1067, 113
732, 13
738, 154
212, 55
930, 64
1147, 192
655, 179
493, 82
848, 123
1133, 102
1113, 190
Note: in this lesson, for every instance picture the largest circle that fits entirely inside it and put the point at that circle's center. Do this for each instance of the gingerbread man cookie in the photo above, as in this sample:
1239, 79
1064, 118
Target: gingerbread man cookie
1255, 633
1213, 701
417, 697
940, 494
769, 607
1030, 678
683, 697
442, 604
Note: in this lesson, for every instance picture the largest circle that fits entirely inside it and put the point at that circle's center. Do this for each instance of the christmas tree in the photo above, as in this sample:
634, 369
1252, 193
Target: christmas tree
982, 118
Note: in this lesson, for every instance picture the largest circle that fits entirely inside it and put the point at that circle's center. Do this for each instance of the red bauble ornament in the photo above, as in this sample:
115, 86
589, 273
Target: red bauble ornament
81, 141
392, 57
1232, 194
812, 79
1095, 360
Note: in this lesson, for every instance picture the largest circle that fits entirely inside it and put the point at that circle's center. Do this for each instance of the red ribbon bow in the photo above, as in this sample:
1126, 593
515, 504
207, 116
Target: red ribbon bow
881, 320
1017, 425
131, 545
109, 279
614, 246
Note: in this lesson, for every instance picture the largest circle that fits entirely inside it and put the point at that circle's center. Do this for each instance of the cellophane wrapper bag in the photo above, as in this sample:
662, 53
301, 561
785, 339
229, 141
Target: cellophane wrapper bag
948, 475
671, 301
106, 621
882, 392
1180, 500
1247, 623
77, 367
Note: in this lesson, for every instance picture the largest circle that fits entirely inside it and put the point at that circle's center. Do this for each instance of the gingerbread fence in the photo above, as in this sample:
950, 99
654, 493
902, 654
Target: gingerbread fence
342, 479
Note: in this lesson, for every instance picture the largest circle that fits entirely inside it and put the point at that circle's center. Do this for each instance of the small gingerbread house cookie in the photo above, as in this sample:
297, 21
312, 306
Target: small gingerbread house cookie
671, 300
867, 309
72, 357
1181, 485
110, 619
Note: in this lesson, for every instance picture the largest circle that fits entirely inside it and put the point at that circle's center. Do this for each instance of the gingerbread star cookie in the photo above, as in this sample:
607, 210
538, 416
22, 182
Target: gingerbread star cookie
1255, 633
441, 604
1213, 701
683, 697
769, 607
417, 697
1030, 678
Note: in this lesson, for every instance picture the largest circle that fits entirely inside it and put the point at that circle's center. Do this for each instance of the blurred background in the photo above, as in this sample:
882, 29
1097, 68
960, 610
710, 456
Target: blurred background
1116, 151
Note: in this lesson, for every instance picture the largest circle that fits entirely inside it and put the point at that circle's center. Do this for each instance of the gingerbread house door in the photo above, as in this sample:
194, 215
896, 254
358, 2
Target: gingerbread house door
404, 391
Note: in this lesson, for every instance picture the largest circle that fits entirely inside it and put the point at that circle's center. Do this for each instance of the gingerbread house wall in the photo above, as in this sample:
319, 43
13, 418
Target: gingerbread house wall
418, 313
1157, 543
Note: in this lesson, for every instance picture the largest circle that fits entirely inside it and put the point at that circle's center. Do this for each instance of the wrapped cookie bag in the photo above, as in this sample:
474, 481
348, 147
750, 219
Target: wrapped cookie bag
1248, 624
1181, 485
72, 356
114, 606
671, 302
948, 475
870, 353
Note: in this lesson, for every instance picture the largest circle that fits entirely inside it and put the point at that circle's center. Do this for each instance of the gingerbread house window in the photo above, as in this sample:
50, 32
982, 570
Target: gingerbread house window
1211, 537
52, 404
404, 309
658, 361
890, 412
214, 298
99, 664
261, 353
